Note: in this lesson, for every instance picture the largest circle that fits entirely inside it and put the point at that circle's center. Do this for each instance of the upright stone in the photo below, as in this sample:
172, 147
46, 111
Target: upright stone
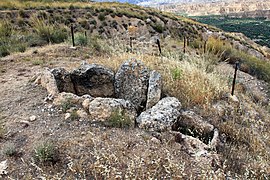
131, 83
48, 81
94, 80
154, 89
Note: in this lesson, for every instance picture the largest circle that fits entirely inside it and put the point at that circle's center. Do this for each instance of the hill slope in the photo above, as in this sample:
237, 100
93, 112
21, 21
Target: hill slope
40, 138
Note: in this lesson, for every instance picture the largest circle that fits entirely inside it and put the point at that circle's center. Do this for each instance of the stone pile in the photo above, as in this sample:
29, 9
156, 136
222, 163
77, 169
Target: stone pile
134, 90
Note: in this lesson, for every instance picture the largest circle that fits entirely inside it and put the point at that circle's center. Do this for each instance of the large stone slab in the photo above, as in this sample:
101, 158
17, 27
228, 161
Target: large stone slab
131, 83
94, 80
162, 116
101, 109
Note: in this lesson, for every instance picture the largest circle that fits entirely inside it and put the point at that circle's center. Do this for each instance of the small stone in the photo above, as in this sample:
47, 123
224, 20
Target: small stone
86, 104
67, 116
3, 167
233, 99
155, 140
25, 123
82, 114
33, 118
38, 80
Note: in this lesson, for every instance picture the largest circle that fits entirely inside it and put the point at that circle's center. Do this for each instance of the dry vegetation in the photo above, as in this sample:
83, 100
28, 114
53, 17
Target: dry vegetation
53, 148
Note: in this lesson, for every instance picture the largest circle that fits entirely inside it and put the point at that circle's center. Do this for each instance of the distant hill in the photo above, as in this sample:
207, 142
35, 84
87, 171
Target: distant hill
160, 2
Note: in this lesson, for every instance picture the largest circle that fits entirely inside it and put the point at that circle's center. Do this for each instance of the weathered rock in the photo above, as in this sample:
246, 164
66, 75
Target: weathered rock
154, 89
81, 113
48, 81
162, 116
94, 80
86, 103
191, 145
131, 83
193, 123
63, 80
215, 140
3, 167
71, 98
101, 109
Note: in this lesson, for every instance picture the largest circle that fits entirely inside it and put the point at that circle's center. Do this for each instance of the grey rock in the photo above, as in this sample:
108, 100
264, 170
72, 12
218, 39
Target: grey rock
154, 89
131, 83
70, 98
63, 80
94, 80
190, 121
48, 81
101, 109
162, 116
191, 145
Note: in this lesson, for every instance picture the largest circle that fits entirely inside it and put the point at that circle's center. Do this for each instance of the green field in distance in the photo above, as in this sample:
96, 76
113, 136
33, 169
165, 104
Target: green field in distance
257, 29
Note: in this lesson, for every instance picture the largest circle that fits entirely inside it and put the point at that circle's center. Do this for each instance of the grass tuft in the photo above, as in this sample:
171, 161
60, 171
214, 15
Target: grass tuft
45, 153
119, 119
9, 150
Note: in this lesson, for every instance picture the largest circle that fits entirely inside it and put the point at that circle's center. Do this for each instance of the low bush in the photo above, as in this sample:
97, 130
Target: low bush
9, 149
101, 17
80, 39
45, 152
48, 32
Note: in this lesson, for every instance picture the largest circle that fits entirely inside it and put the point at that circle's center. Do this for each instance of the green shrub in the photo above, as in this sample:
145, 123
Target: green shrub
119, 119
80, 39
45, 152
59, 35
158, 28
66, 105
6, 29
74, 115
9, 149
176, 73
4, 51
50, 33
94, 22
101, 17
37, 62
34, 40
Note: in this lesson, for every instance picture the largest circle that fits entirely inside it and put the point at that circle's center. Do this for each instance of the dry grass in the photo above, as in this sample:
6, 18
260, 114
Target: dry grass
188, 80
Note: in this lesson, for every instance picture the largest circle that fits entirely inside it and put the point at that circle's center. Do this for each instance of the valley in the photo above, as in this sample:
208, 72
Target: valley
256, 28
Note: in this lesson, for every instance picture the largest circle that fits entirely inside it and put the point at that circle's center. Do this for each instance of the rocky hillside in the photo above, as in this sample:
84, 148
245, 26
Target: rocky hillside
215, 8
252, 14
115, 105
